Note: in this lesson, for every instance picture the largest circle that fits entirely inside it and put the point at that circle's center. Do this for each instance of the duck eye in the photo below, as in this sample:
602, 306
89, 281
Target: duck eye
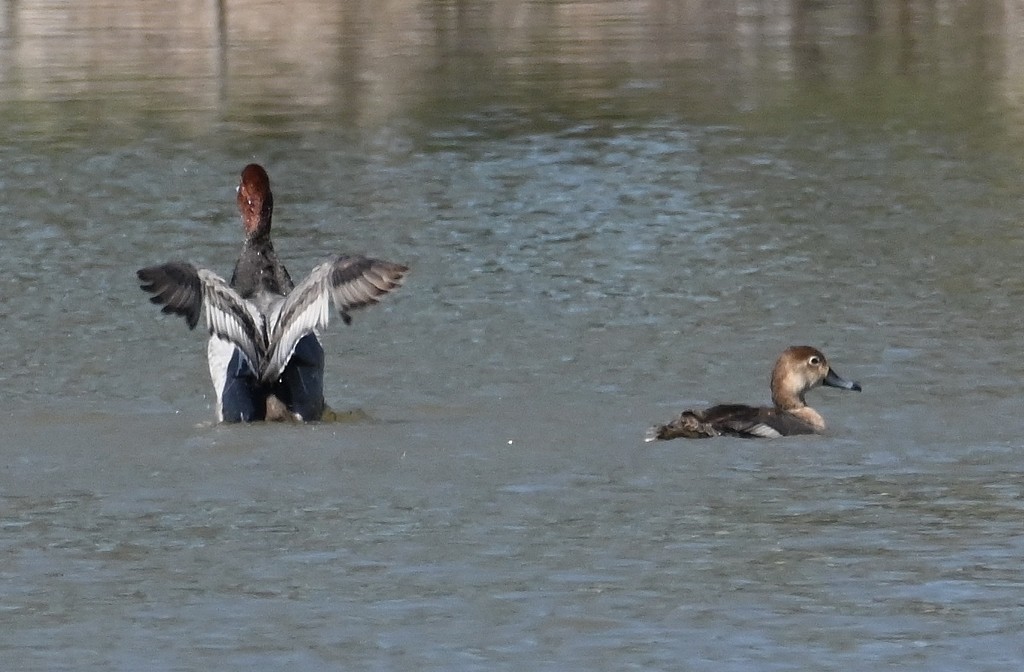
814, 361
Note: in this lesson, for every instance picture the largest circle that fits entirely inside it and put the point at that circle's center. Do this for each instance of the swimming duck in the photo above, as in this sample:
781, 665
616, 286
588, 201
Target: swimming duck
800, 368
265, 358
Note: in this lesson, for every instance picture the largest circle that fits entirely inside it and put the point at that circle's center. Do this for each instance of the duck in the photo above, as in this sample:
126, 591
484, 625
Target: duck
799, 369
265, 357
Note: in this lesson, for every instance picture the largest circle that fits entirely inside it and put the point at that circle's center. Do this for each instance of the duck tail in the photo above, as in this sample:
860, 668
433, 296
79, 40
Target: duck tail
653, 433
689, 425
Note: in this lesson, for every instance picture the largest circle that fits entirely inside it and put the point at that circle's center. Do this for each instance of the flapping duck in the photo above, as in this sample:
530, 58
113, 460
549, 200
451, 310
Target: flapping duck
265, 358
799, 369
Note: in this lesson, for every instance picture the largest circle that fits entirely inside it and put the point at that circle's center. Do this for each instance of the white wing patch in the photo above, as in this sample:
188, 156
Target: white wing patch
267, 329
350, 282
304, 310
764, 431
233, 319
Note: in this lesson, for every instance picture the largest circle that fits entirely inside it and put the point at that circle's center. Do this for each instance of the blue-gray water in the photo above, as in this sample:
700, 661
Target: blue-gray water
613, 211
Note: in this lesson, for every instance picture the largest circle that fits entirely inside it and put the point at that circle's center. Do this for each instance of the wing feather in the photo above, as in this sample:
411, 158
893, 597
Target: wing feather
177, 286
188, 291
350, 282
232, 318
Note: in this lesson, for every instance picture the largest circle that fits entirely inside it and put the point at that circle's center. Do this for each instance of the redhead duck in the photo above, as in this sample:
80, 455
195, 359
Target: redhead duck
799, 369
265, 358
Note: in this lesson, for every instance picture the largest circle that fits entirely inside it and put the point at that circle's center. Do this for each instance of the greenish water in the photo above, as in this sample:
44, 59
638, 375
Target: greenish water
612, 211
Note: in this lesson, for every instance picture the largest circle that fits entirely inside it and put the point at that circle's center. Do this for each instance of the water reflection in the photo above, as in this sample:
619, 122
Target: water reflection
613, 210
364, 64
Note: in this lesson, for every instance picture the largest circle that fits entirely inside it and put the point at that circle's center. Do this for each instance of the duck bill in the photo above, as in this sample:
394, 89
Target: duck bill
833, 379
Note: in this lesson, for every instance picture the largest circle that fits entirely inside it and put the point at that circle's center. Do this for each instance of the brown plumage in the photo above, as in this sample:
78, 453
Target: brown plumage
799, 369
264, 352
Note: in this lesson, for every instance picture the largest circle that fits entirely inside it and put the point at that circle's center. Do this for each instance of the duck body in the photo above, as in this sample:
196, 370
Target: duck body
733, 420
265, 357
798, 370
298, 394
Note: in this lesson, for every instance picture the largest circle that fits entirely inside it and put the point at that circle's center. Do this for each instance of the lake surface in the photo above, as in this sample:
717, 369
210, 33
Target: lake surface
613, 211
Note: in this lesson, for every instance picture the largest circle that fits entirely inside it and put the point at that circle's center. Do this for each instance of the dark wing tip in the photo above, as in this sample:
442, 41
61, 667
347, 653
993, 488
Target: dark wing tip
387, 273
357, 282
176, 286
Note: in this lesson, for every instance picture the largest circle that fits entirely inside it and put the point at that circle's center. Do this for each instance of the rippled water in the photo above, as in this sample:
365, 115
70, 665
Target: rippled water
613, 211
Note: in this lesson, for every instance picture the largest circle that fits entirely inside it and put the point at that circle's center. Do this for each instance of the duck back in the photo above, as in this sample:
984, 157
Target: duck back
738, 420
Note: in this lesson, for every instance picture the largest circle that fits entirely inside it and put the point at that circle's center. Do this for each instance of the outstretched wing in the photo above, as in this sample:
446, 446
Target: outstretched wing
177, 286
350, 282
188, 291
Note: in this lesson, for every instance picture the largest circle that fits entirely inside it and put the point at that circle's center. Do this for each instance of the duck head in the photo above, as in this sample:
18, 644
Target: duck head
799, 369
255, 201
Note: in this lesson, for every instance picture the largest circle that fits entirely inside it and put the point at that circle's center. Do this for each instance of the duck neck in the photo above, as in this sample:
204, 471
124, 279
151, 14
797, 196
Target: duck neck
258, 268
787, 400
810, 416
257, 234
258, 243
792, 402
